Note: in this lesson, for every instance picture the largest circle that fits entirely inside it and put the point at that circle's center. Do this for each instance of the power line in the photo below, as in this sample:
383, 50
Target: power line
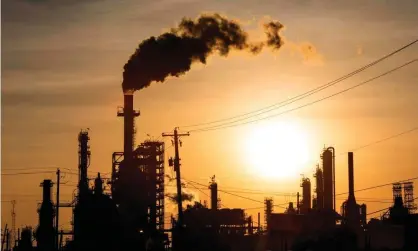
27, 173
303, 95
250, 199
385, 139
378, 186
199, 189
72, 171
251, 191
384, 209
226, 125
236, 195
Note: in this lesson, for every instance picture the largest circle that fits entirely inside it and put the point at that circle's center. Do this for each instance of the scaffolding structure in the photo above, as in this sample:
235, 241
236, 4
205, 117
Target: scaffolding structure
397, 192
268, 203
150, 156
408, 189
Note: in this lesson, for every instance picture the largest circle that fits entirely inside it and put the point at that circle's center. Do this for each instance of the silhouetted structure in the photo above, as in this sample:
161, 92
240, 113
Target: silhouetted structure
96, 221
222, 229
83, 162
268, 210
25, 240
350, 208
319, 189
328, 167
45, 234
214, 194
305, 205
408, 189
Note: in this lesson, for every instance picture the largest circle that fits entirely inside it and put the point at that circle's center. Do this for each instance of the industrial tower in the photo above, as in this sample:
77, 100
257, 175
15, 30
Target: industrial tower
328, 168
45, 234
305, 205
408, 189
214, 200
319, 179
83, 162
268, 204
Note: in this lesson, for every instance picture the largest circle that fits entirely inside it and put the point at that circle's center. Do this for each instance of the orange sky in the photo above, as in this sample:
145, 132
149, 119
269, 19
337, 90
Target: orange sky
62, 70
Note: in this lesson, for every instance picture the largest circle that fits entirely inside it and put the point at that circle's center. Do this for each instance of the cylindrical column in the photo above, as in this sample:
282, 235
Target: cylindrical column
128, 110
350, 174
327, 165
214, 195
46, 189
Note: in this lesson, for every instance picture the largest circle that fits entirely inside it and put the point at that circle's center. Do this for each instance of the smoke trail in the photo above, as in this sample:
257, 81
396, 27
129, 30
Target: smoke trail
273, 37
172, 53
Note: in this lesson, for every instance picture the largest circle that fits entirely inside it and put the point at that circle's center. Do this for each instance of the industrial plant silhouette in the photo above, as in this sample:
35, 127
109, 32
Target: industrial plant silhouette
132, 216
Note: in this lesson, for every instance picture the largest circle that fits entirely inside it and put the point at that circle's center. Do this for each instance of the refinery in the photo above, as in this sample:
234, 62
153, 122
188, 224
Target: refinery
134, 210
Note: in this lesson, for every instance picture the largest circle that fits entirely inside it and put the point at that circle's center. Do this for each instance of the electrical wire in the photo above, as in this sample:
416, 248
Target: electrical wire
243, 190
227, 125
385, 139
306, 94
199, 190
384, 209
27, 173
236, 195
378, 186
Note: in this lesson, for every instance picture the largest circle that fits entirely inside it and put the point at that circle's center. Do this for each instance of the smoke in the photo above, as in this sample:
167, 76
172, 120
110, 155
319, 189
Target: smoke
308, 52
173, 53
273, 37
185, 197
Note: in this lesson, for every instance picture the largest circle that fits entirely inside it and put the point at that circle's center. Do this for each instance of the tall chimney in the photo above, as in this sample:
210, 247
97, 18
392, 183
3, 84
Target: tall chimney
351, 176
128, 113
46, 190
128, 110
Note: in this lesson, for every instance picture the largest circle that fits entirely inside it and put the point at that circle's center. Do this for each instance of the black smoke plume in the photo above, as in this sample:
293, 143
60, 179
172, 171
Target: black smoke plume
184, 197
172, 53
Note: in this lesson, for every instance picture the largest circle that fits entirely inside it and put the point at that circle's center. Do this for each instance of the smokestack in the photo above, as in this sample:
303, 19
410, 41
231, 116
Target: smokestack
350, 176
128, 110
128, 113
46, 189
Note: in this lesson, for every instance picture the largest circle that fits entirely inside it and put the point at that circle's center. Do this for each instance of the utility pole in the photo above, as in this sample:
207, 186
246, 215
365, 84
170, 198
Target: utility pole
13, 234
57, 207
3, 240
176, 136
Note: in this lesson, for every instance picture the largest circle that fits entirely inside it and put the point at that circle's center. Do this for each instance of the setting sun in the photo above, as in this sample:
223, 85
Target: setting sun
277, 150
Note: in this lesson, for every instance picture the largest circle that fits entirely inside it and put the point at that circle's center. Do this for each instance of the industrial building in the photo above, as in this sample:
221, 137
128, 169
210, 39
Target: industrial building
134, 210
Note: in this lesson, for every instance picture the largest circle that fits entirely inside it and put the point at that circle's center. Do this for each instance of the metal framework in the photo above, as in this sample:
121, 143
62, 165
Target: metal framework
149, 159
117, 159
83, 160
408, 189
397, 191
151, 156
268, 203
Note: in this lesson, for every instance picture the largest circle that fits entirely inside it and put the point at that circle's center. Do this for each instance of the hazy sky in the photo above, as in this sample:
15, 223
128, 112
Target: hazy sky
62, 64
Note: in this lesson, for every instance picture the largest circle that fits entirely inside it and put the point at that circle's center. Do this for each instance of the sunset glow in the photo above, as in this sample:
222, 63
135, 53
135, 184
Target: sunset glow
277, 150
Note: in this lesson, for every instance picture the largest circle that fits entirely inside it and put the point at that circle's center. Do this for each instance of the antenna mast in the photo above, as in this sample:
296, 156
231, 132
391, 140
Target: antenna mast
13, 234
